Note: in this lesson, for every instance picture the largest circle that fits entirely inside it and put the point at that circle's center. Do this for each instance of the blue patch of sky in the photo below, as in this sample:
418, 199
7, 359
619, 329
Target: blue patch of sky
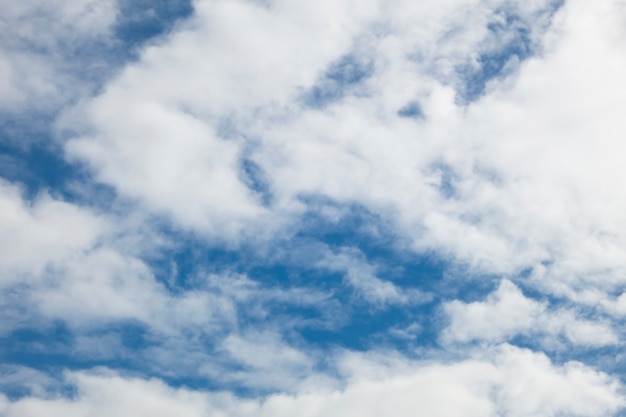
290, 264
137, 23
379, 244
358, 227
44, 349
31, 155
447, 179
190, 256
52, 349
458, 283
20, 130
340, 79
493, 63
36, 168
368, 327
531, 291
411, 111
15, 391
609, 359
52, 345
15, 387
255, 179
202, 383
142, 20
42, 168
490, 66
131, 362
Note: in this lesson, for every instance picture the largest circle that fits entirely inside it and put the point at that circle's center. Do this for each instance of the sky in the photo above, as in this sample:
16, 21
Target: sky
328, 208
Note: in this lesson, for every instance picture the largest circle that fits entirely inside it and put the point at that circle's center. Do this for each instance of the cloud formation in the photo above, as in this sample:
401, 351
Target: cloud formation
320, 208
515, 383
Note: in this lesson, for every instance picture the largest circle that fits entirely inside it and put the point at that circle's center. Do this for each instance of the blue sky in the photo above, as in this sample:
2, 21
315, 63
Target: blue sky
245, 208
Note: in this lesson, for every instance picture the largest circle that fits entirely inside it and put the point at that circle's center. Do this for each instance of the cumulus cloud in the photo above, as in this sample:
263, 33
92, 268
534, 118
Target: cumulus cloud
497, 184
217, 104
174, 164
515, 382
507, 313
34, 234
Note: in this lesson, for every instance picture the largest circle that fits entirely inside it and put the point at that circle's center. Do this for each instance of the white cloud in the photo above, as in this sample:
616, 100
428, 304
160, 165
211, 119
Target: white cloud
155, 132
507, 312
34, 234
516, 383
172, 129
526, 177
129, 397
267, 362
105, 286
35, 383
62, 262
174, 163
35, 37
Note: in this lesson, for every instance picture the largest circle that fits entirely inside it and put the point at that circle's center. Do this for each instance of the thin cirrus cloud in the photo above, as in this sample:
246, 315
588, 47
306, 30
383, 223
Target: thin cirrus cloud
327, 208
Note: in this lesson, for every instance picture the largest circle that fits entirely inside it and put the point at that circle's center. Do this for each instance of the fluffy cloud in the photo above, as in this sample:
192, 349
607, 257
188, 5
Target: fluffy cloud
516, 383
222, 141
90, 281
513, 181
37, 37
34, 234
207, 73
507, 313
178, 129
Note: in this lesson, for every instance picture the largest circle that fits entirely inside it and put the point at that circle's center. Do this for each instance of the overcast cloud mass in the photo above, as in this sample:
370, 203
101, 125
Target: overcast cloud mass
312, 208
